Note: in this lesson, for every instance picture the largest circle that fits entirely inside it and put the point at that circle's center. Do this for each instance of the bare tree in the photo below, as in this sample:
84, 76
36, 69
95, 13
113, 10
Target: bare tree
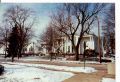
109, 29
50, 36
72, 19
24, 18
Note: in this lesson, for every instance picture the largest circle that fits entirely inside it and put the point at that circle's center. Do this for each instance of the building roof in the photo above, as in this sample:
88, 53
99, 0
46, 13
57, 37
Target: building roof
86, 35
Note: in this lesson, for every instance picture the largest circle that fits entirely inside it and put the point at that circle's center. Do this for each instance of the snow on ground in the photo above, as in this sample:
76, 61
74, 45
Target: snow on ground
33, 58
65, 68
108, 80
61, 60
19, 73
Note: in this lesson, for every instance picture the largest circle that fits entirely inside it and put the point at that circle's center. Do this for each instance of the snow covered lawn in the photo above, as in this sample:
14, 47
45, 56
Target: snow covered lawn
25, 72
22, 73
63, 68
108, 80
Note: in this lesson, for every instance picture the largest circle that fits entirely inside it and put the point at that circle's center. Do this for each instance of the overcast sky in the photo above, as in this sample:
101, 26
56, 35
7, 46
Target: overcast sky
43, 12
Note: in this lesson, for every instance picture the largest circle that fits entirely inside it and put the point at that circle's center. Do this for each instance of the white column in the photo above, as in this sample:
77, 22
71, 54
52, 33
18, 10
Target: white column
90, 38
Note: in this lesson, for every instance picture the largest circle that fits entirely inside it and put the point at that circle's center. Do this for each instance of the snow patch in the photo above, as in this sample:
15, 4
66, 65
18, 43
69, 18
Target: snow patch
108, 80
65, 68
18, 73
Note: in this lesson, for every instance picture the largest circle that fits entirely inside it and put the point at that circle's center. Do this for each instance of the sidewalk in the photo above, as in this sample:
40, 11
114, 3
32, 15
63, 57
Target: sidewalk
92, 77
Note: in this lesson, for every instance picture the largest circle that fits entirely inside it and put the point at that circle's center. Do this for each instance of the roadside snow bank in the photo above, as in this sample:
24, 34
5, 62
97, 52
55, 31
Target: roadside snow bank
108, 80
55, 67
18, 73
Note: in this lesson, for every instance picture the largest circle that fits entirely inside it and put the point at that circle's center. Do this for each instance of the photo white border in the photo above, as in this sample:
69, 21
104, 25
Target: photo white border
117, 19
117, 31
55, 1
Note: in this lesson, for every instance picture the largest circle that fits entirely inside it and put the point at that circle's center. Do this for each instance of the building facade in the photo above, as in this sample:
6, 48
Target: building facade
64, 45
90, 40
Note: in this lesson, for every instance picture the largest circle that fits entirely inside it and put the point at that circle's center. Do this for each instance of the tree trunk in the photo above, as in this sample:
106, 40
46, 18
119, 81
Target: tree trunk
18, 54
12, 58
20, 51
51, 56
76, 49
77, 54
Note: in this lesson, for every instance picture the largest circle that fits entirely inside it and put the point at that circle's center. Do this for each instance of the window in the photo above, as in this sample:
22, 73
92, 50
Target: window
68, 49
31, 48
63, 49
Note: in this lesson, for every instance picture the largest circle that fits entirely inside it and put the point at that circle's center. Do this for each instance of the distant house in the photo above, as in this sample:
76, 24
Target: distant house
31, 48
2, 49
90, 40
43, 48
65, 46
36, 48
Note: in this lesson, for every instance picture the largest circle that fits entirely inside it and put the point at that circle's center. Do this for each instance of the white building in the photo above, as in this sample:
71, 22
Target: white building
31, 48
90, 40
43, 47
2, 49
65, 45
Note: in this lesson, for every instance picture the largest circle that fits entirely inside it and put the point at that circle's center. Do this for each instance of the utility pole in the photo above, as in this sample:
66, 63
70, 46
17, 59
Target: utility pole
99, 42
